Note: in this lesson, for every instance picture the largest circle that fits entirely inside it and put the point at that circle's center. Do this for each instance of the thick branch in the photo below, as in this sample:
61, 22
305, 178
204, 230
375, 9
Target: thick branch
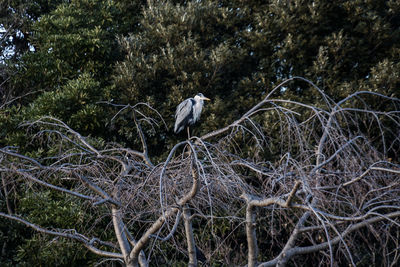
251, 236
259, 202
292, 239
160, 221
120, 232
142, 257
173, 230
78, 237
252, 202
292, 194
189, 237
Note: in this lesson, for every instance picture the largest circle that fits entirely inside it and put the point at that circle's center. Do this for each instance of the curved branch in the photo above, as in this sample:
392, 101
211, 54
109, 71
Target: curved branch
189, 237
367, 171
168, 213
61, 189
99, 191
310, 249
173, 230
251, 235
259, 105
143, 140
35, 162
62, 124
88, 243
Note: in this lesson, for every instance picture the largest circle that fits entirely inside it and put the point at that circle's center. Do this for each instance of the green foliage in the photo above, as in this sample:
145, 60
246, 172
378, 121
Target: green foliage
73, 103
76, 37
12, 234
64, 74
17, 17
331, 43
42, 250
181, 50
52, 210
234, 53
75, 46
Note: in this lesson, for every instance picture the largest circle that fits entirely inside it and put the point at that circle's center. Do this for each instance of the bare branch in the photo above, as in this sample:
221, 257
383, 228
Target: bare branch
119, 229
170, 212
292, 193
60, 189
143, 140
78, 237
189, 237
58, 123
173, 230
99, 191
323, 172
367, 171
306, 250
10, 153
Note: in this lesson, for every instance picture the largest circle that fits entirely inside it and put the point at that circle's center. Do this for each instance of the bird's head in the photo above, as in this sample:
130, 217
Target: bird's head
200, 96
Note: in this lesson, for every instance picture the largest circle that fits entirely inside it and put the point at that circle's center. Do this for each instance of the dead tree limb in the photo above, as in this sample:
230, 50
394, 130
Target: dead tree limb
189, 236
87, 242
318, 178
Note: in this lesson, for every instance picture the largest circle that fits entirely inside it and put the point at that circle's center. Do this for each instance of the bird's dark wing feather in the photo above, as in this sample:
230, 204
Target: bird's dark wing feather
184, 115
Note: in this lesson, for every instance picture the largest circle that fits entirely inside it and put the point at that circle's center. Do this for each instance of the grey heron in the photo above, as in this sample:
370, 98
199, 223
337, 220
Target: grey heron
188, 112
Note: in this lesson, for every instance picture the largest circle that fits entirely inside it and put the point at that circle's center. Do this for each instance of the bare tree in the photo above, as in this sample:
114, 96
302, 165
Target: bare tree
317, 183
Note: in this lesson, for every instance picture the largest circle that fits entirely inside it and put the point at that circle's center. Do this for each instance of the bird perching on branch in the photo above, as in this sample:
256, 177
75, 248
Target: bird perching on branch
188, 112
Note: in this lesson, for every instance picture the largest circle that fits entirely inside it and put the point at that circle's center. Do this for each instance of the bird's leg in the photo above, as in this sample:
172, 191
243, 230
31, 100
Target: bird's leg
188, 132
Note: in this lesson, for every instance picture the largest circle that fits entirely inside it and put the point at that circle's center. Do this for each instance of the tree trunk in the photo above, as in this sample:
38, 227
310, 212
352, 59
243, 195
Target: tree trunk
251, 236
189, 237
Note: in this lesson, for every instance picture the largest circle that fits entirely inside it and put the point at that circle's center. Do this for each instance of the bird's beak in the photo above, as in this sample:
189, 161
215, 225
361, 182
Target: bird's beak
205, 98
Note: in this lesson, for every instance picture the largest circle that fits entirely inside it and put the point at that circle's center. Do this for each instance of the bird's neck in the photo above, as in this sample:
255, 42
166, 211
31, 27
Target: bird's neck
199, 104
197, 109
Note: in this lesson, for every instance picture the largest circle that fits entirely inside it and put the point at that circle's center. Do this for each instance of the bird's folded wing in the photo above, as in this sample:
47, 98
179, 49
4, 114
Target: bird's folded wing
183, 113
